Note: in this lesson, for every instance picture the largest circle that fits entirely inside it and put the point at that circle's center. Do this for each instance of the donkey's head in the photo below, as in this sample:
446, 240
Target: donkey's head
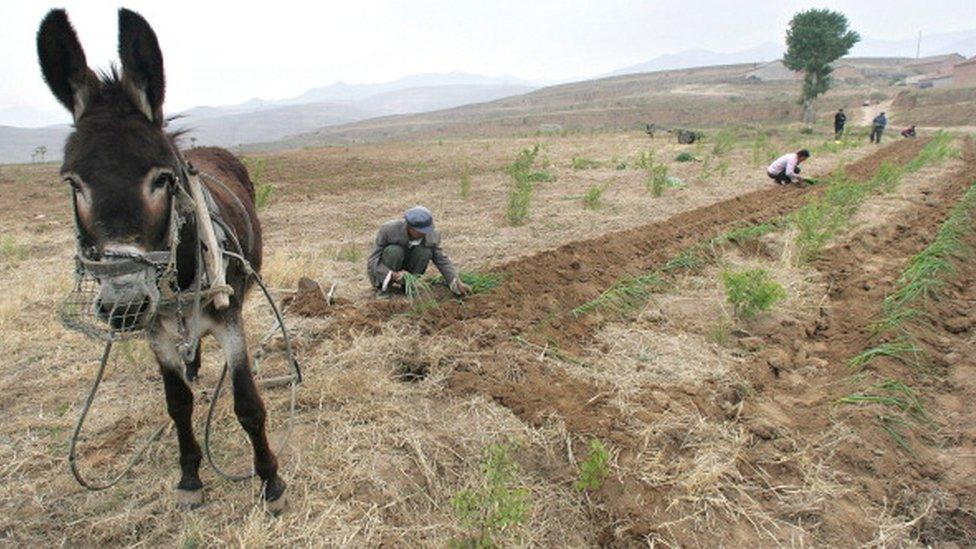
119, 161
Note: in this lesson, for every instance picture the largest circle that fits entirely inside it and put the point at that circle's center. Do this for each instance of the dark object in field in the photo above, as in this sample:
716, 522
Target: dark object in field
687, 137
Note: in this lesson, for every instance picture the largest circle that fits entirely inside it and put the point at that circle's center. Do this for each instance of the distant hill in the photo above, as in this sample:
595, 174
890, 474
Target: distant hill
17, 144
259, 120
703, 58
277, 120
963, 42
340, 91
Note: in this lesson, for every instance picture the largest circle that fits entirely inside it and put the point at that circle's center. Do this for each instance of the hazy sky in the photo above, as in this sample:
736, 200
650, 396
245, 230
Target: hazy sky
228, 52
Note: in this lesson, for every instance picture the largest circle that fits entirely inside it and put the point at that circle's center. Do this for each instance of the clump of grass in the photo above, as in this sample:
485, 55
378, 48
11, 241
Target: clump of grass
593, 198
644, 160
751, 292
478, 281
624, 296
724, 142
581, 163
595, 468
464, 182
541, 176
520, 195
11, 250
519, 201
806, 130
685, 156
902, 350
895, 394
496, 506
416, 287
263, 190
657, 180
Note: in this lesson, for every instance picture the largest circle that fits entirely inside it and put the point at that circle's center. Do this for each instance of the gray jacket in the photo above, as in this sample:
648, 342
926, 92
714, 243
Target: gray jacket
395, 232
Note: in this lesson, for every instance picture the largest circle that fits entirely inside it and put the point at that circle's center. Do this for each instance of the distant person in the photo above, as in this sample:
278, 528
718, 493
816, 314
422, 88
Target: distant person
408, 245
878, 127
909, 131
839, 120
786, 169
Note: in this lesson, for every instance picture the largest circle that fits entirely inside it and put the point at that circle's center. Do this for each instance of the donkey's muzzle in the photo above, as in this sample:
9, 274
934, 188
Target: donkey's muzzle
116, 294
126, 302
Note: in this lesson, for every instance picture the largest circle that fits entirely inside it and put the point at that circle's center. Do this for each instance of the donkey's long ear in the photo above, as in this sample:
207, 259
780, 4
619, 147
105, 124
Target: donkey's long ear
142, 65
63, 63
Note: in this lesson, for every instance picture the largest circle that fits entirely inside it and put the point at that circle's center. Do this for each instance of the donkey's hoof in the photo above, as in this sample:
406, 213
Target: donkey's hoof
275, 500
189, 499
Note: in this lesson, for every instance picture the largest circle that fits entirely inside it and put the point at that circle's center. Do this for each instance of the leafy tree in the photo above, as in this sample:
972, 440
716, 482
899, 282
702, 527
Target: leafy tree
815, 39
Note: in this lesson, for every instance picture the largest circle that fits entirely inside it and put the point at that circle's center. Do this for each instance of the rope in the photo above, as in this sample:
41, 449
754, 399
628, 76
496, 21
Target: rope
72, 460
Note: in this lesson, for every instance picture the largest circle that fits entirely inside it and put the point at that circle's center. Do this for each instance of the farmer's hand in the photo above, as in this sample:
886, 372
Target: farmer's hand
460, 288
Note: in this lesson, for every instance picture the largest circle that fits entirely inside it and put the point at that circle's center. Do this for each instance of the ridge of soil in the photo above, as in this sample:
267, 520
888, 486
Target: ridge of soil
546, 285
539, 291
861, 273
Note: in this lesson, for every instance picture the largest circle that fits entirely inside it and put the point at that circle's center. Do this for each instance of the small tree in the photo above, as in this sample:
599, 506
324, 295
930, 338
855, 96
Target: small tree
815, 39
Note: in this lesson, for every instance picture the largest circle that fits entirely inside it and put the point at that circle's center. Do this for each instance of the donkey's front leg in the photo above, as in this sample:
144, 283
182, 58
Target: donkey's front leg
179, 402
250, 410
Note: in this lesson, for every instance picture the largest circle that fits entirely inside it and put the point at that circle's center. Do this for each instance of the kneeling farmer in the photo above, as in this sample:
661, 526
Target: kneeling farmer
408, 245
786, 169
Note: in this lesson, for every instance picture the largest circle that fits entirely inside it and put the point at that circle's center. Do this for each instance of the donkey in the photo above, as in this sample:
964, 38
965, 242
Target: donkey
122, 168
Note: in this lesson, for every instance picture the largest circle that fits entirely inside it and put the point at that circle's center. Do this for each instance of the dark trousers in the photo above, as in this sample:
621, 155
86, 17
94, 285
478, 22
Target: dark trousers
400, 258
876, 132
780, 178
838, 132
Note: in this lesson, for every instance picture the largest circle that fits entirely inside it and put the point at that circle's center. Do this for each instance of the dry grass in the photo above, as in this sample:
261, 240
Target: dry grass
373, 460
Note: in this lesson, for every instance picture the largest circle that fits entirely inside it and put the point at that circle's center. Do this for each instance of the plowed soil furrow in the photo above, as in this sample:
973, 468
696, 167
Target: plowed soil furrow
540, 290
861, 273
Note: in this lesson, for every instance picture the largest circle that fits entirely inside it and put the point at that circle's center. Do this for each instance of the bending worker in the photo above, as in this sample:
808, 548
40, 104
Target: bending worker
786, 169
408, 245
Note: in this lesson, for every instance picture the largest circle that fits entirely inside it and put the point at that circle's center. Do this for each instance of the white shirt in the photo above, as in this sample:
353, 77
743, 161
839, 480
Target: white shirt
784, 164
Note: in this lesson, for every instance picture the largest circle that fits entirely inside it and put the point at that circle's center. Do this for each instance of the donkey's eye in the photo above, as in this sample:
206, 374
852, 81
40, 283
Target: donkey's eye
162, 180
75, 186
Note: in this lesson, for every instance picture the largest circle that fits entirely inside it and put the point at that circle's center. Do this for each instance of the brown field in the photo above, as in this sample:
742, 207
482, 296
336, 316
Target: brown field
721, 431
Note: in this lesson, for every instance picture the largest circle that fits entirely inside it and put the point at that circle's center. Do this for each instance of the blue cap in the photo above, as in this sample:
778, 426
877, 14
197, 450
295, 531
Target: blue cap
419, 219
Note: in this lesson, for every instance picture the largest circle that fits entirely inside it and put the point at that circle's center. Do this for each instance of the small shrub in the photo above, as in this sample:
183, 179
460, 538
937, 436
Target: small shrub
685, 156
806, 130
751, 292
519, 201
490, 510
724, 142
520, 195
595, 468
644, 160
263, 190
580, 163
620, 166
658, 180
593, 198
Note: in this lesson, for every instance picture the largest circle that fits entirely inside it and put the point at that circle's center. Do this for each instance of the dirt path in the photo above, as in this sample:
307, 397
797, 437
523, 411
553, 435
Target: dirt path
868, 113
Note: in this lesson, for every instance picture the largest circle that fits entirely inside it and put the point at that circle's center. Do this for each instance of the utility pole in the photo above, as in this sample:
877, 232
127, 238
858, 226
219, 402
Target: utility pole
918, 46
